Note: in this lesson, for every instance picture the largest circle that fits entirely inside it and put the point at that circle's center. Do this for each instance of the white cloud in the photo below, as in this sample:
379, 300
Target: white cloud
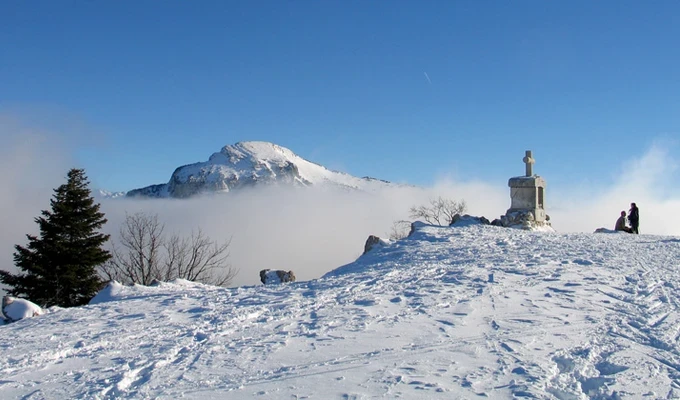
33, 162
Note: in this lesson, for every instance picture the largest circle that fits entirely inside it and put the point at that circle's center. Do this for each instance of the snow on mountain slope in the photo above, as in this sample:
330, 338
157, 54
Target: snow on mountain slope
105, 194
246, 164
448, 313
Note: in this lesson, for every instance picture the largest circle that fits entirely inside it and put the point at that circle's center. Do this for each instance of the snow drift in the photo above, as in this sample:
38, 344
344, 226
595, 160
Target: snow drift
15, 309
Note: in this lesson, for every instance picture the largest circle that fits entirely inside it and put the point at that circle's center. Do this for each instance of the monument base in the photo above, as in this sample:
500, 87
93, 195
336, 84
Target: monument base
523, 219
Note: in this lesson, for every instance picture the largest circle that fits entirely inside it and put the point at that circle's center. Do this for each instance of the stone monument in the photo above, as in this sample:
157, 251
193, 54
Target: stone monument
527, 195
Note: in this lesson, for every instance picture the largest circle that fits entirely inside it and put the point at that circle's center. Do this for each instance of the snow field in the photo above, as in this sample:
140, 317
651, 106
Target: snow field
447, 313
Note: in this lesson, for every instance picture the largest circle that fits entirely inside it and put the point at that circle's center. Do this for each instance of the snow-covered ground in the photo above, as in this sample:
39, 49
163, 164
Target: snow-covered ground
448, 313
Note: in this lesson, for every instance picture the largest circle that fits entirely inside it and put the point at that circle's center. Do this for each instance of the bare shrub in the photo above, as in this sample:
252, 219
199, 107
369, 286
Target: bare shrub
145, 255
400, 229
440, 211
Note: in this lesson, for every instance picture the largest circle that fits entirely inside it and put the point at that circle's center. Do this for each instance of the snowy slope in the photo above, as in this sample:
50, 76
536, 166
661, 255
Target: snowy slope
246, 164
105, 194
563, 316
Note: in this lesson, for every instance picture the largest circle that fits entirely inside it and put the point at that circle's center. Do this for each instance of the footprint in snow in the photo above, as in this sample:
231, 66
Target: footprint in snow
581, 261
507, 348
607, 368
365, 302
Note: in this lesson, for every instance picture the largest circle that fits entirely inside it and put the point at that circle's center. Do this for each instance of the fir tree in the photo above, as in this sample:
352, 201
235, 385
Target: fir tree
60, 267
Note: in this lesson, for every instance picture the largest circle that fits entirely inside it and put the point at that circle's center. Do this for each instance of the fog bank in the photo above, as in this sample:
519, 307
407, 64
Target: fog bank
309, 231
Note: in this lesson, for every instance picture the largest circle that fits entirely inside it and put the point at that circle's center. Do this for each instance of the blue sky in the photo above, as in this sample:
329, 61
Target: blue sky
400, 90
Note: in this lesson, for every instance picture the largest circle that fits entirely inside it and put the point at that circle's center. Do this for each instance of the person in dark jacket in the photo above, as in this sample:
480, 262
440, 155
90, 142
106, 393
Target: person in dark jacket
634, 218
621, 224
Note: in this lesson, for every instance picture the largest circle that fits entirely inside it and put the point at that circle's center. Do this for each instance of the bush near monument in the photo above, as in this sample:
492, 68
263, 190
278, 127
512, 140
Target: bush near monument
440, 211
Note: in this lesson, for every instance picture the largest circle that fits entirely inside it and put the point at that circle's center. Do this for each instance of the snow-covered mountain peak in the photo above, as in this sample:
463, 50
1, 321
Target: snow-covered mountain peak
256, 151
246, 164
105, 194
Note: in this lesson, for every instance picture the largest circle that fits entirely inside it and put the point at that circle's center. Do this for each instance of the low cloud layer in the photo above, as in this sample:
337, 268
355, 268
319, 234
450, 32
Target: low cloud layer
309, 231
314, 231
32, 162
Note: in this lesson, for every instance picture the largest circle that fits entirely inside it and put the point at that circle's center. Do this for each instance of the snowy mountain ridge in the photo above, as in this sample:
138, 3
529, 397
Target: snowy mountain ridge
105, 194
246, 164
449, 312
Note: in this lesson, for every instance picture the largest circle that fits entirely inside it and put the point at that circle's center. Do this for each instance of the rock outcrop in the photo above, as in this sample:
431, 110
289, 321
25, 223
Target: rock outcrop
525, 220
468, 220
372, 242
516, 219
268, 276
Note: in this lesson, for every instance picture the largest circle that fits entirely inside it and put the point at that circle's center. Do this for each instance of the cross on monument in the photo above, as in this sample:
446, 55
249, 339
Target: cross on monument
529, 161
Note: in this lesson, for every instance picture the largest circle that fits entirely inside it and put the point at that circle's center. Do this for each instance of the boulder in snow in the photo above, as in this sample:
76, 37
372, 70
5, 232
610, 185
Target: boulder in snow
524, 219
465, 220
268, 276
15, 309
373, 241
497, 222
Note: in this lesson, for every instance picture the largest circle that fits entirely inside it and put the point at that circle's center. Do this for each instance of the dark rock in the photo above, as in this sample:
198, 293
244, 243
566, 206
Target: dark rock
370, 243
268, 276
149, 191
468, 219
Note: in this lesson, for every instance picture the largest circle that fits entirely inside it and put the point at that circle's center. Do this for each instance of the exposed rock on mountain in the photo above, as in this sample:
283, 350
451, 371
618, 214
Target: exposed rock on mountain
247, 164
